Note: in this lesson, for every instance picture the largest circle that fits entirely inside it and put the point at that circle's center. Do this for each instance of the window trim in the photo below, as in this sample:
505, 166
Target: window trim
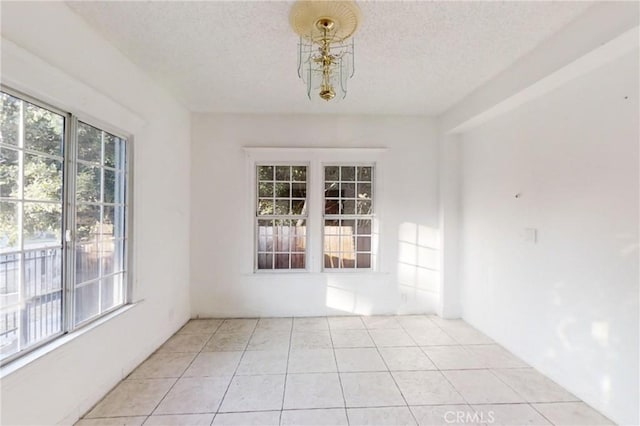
69, 150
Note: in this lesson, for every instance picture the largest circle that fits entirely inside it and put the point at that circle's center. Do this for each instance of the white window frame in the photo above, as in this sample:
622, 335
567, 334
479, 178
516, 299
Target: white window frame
315, 158
71, 120
354, 217
304, 217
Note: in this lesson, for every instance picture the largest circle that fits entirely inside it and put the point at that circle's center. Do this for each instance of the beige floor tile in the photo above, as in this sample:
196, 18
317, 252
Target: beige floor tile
381, 322
453, 358
510, 415
346, 323
445, 415
391, 337
213, 364
317, 417
464, 334
310, 324
132, 398
495, 356
388, 416
426, 387
200, 326
416, 322
263, 362
571, 414
430, 337
481, 387
370, 390
180, 420
254, 393
359, 359
274, 324
257, 418
112, 421
406, 359
351, 339
163, 365
192, 395
242, 325
185, 343
265, 340
312, 361
311, 340
223, 342
533, 386
316, 390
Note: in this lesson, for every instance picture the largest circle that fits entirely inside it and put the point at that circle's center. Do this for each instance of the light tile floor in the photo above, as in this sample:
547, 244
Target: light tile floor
384, 370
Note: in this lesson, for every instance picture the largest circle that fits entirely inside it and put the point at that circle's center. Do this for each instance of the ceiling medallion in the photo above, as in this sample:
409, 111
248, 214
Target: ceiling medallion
325, 59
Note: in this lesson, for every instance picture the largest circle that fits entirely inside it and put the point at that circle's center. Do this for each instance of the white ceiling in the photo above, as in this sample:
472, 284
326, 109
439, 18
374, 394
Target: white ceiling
240, 56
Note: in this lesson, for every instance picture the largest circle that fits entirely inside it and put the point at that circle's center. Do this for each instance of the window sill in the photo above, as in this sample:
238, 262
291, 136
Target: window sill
267, 273
40, 352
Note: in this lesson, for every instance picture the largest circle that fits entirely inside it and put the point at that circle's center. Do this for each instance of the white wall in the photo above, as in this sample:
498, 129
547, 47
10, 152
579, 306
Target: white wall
50, 53
223, 282
567, 304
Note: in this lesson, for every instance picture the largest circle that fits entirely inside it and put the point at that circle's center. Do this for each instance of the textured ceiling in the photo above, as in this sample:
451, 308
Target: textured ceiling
240, 56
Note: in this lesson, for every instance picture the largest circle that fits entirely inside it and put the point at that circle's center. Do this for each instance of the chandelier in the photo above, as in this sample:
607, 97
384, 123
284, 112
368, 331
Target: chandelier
325, 58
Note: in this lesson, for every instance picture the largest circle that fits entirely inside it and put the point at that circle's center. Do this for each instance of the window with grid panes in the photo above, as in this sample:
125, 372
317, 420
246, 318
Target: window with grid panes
62, 223
348, 216
281, 217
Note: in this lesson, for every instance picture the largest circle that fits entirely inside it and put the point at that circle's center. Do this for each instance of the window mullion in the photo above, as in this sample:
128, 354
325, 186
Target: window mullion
69, 239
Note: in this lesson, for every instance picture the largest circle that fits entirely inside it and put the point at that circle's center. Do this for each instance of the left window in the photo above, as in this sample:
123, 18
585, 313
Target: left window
63, 207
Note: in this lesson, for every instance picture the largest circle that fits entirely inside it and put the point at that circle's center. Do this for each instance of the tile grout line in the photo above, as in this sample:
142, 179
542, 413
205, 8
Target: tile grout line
389, 370
181, 375
335, 360
236, 369
286, 371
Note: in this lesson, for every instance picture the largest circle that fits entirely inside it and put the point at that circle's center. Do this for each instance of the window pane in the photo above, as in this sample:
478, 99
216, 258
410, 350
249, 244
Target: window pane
112, 291
265, 261
88, 184
265, 189
364, 243
347, 173
88, 222
42, 224
114, 152
364, 207
283, 173
348, 207
364, 227
299, 173
283, 190
348, 190
9, 237
364, 260
87, 262
112, 255
42, 178
86, 300
43, 130
364, 190
9, 119
265, 207
364, 174
265, 173
282, 207
332, 173
9, 172
299, 190
89, 143
298, 261
113, 187
282, 261
298, 207
42, 272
